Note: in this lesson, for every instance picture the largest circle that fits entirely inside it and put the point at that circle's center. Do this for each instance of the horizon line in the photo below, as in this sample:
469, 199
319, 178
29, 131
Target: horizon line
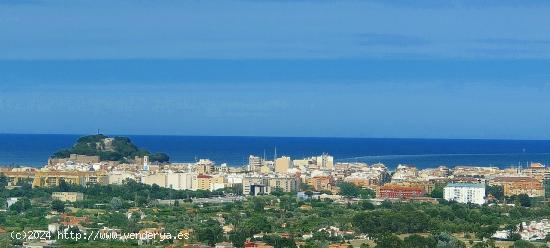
276, 136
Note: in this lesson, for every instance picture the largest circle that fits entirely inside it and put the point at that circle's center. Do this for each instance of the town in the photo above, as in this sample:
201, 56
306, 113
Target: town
206, 192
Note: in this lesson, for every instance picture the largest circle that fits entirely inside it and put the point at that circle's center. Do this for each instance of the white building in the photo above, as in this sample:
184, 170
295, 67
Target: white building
180, 181
465, 192
325, 161
10, 201
173, 180
118, 177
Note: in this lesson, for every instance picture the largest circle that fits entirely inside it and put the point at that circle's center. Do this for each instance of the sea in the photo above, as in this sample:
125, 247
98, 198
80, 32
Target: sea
34, 149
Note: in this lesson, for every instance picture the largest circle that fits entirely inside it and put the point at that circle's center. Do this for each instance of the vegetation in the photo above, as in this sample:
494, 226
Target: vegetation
402, 224
119, 149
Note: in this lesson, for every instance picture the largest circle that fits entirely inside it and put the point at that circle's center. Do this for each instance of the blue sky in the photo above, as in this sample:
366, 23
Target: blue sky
427, 69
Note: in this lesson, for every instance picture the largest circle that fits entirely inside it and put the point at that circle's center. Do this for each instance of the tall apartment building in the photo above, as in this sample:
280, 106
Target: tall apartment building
282, 164
325, 161
204, 166
285, 184
465, 192
204, 182
254, 163
256, 185
319, 183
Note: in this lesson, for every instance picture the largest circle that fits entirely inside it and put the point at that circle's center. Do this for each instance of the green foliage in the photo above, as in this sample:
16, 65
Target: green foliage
448, 241
417, 241
115, 203
486, 231
388, 240
210, 232
278, 242
121, 149
496, 191
386, 221
58, 206
21, 205
514, 236
437, 192
351, 190
3, 180
521, 200
237, 238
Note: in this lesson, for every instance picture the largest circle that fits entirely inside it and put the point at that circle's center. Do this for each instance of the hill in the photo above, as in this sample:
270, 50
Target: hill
109, 149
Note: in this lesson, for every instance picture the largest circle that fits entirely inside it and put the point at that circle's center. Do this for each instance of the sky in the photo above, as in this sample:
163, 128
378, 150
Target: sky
406, 69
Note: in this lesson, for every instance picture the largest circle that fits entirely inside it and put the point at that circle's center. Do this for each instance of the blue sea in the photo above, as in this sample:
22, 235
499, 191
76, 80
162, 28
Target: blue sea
34, 149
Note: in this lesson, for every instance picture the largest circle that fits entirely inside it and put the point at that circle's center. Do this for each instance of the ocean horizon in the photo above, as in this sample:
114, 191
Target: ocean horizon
34, 149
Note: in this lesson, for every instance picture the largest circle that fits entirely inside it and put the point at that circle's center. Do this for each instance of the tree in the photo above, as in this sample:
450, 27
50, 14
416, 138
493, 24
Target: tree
486, 231
366, 205
496, 191
210, 232
3, 181
524, 200
21, 205
445, 240
389, 240
159, 157
64, 186
237, 238
349, 189
417, 241
514, 236
58, 206
437, 192
115, 203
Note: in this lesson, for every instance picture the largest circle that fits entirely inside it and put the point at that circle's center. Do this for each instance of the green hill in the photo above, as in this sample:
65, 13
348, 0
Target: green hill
109, 149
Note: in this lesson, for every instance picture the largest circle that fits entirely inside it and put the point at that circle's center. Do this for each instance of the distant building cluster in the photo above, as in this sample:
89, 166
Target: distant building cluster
319, 174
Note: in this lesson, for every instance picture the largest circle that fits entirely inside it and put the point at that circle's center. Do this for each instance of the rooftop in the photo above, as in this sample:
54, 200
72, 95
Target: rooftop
467, 185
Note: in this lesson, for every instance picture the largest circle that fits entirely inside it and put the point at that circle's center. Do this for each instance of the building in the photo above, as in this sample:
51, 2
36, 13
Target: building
404, 173
465, 192
180, 181
325, 161
426, 186
204, 182
158, 179
519, 185
204, 166
10, 201
68, 196
398, 191
319, 183
285, 184
255, 185
218, 182
118, 177
75, 158
54, 178
254, 163
282, 164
